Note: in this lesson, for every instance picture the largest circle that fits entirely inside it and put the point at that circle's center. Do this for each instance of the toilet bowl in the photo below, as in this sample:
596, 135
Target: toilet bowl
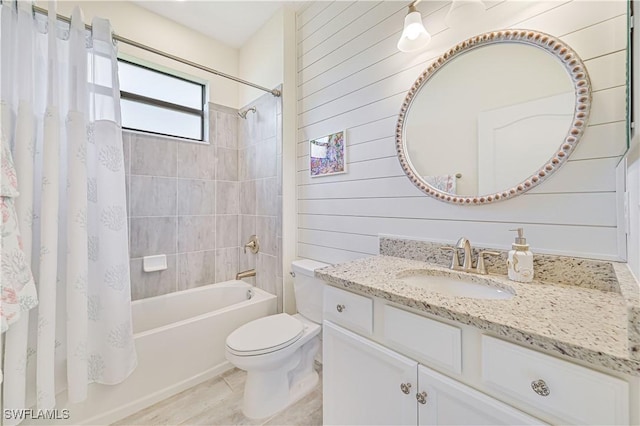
278, 351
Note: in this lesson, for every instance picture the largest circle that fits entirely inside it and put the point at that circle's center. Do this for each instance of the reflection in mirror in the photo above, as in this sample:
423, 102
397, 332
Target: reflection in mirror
493, 114
489, 118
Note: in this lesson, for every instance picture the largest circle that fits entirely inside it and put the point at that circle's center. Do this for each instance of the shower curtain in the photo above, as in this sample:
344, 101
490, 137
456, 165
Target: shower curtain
60, 105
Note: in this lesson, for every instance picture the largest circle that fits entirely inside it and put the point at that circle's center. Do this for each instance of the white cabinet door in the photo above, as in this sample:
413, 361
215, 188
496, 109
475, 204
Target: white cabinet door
362, 381
449, 402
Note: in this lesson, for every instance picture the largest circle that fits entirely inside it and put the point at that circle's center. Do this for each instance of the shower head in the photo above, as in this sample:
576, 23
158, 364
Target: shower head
243, 114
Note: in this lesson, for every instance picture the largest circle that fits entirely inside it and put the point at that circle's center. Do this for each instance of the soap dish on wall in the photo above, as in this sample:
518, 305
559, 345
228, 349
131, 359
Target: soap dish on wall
154, 263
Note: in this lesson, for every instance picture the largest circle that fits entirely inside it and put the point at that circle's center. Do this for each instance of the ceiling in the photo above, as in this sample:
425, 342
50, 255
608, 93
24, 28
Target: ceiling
231, 22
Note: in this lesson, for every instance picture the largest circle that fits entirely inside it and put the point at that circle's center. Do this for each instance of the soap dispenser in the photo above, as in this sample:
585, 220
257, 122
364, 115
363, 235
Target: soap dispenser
520, 260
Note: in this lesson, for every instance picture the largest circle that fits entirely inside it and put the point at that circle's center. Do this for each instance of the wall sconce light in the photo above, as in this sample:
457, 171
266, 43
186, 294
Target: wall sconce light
414, 36
464, 12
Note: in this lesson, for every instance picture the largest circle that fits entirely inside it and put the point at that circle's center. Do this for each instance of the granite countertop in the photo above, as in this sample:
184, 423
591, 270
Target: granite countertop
582, 323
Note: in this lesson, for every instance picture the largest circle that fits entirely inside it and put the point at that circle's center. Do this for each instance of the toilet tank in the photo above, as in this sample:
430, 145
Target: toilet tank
308, 289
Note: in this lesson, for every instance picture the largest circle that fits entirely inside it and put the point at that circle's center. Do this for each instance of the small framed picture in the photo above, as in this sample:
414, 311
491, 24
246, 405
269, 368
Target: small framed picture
327, 155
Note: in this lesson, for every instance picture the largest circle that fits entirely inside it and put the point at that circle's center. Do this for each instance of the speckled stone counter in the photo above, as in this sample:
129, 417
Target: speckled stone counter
587, 273
582, 323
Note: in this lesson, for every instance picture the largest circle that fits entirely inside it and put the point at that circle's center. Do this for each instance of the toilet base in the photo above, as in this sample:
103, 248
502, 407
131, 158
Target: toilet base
298, 391
303, 387
269, 392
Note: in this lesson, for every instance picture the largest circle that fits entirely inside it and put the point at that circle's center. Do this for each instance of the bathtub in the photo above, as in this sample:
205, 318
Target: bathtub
180, 340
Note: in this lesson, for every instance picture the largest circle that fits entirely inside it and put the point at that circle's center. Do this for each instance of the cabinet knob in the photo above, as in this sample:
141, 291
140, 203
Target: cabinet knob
422, 397
405, 388
540, 387
340, 308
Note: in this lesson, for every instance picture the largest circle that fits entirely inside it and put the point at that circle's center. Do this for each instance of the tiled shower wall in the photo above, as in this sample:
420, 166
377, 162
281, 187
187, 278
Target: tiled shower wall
260, 176
183, 200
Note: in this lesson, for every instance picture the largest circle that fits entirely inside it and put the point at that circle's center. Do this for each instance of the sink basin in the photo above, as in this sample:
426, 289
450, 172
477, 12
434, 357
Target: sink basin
455, 286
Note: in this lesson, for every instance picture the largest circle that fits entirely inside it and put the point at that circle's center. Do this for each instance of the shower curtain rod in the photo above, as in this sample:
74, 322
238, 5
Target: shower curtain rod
116, 37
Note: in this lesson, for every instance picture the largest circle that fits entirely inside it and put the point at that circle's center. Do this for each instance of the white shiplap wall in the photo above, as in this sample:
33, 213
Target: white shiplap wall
351, 76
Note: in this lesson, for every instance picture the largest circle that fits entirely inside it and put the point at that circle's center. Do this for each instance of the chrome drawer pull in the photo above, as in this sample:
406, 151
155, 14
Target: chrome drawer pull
422, 397
540, 387
340, 308
405, 388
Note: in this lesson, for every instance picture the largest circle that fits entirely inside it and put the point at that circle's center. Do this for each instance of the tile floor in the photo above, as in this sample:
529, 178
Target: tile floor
219, 402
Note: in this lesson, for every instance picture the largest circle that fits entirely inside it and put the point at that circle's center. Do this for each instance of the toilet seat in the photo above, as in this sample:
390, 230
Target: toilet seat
265, 335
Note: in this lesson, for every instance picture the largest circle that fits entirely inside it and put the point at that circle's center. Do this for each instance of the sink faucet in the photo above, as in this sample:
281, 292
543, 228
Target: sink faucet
463, 243
467, 265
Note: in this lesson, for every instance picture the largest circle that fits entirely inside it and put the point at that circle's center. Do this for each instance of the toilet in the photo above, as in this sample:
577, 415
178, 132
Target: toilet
278, 351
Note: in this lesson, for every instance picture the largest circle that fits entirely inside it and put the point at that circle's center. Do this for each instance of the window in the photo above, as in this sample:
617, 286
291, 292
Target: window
160, 103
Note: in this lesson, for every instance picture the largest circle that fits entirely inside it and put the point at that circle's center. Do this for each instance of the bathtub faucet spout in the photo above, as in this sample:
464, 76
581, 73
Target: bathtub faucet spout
246, 274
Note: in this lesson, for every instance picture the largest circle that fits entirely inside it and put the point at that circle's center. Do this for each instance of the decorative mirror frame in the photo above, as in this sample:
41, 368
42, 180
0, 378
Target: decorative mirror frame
582, 88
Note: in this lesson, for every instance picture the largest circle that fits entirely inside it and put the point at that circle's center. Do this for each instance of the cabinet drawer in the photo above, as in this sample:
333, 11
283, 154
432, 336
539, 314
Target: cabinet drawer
575, 394
428, 340
350, 310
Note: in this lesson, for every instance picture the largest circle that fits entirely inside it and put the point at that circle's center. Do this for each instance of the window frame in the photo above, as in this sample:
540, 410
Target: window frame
167, 105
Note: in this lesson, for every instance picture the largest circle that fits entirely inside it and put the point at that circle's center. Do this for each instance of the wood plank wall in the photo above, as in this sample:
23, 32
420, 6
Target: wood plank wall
352, 77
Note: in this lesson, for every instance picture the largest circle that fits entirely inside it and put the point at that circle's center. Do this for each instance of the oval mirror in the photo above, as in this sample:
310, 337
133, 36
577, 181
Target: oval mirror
493, 117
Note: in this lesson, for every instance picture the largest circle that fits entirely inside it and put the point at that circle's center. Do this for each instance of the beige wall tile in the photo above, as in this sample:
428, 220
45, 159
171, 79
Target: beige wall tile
153, 155
196, 160
266, 158
248, 197
227, 231
267, 197
149, 284
227, 164
196, 197
226, 130
227, 197
266, 232
196, 269
266, 273
226, 264
152, 235
196, 233
152, 196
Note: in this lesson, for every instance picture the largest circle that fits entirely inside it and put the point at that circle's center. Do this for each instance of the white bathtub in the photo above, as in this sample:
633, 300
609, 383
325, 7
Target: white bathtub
180, 340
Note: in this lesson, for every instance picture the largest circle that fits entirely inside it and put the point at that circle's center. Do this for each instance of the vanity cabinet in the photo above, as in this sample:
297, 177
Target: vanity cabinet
449, 402
380, 362
349, 310
368, 384
365, 383
576, 394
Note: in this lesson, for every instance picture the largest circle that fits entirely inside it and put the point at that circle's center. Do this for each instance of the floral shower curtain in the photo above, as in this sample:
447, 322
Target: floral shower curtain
60, 104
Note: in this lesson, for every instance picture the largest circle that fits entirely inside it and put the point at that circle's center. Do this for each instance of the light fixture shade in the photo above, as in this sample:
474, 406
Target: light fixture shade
464, 12
414, 36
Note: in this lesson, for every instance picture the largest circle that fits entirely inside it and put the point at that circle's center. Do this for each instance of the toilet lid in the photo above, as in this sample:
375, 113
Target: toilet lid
266, 334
